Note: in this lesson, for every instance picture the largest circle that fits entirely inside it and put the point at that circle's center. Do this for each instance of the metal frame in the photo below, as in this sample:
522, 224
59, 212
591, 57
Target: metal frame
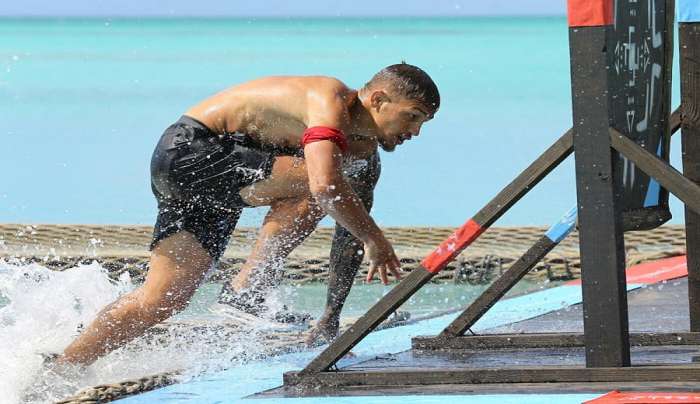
522, 184
545, 340
600, 214
508, 279
689, 45
480, 376
606, 335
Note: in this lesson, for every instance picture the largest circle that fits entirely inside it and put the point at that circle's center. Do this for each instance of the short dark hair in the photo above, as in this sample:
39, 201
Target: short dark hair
411, 82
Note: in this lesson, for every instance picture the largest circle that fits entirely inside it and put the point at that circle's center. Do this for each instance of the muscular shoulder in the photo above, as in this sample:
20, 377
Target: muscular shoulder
318, 86
326, 85
328, 101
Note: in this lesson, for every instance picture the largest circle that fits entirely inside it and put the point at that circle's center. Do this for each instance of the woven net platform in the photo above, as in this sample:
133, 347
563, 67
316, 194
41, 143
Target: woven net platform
125, 248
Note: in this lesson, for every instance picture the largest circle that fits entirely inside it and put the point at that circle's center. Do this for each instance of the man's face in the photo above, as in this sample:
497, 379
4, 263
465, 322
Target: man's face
398, 119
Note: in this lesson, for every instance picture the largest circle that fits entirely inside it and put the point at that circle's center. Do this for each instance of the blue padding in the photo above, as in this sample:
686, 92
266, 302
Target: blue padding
435, 399
688, 10
562, 228
653, 190
237, 382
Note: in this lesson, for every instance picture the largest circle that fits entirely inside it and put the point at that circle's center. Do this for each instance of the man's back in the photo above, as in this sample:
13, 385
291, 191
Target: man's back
272, 110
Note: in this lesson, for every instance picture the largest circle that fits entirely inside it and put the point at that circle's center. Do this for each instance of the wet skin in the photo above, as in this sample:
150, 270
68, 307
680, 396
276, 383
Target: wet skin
276, 111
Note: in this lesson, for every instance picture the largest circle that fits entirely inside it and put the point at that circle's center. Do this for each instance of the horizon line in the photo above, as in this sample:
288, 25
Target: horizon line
271, 17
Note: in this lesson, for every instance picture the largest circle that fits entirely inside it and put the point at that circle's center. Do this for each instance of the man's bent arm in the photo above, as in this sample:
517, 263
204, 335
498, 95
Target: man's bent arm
347, 251
334, 194
337, 198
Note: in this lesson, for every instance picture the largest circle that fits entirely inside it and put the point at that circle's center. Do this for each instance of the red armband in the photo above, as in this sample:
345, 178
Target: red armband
317, 133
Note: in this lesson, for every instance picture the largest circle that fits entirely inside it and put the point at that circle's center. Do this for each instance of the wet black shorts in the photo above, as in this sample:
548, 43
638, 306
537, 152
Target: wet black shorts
196, 176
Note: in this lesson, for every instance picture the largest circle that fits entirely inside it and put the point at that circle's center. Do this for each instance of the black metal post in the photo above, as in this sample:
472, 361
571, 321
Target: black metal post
600, 224
689, 43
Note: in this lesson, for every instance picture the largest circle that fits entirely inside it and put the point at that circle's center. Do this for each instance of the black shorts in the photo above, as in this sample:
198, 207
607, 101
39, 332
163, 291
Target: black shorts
196, 176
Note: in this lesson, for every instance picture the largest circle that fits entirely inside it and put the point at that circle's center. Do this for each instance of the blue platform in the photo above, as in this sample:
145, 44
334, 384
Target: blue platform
236, 383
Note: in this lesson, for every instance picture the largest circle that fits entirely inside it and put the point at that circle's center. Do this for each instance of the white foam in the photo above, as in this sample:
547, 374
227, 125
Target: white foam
46, 309
44, 312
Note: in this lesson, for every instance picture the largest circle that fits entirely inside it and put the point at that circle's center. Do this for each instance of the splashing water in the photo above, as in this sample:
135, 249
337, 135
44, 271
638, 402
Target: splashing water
43, 314
42, 311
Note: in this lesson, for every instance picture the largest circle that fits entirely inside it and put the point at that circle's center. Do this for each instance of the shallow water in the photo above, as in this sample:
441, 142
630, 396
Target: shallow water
42, 311
432, 298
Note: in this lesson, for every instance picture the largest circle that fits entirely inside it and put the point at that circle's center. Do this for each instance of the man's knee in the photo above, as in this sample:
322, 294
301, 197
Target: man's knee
169, 287
177, 265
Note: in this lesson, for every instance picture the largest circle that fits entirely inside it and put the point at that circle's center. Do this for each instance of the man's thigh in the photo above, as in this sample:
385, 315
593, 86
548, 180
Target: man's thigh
178, 263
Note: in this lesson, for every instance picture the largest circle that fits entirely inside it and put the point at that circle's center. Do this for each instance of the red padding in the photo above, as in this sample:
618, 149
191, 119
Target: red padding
590, 13
654, 271
451, 247
318, 133
661, 397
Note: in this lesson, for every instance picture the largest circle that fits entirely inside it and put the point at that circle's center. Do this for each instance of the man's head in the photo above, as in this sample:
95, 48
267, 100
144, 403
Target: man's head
400, 98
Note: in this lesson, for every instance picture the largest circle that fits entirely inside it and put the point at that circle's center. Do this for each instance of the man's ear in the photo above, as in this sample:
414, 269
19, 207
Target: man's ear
378, 98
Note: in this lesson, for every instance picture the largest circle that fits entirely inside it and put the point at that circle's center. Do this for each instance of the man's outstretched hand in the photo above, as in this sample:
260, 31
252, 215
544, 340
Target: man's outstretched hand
382, 259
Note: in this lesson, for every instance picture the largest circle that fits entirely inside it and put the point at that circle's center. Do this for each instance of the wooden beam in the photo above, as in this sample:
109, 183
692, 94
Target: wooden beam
689, 47
365, 324
505, 199
669, 178
547, 374
676, 120
543, 340
499, 288
508, 279
534, 173
522, 184
600, 216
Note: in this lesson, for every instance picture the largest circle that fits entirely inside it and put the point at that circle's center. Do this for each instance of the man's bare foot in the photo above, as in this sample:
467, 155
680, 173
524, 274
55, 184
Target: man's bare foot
54, 379
254, 302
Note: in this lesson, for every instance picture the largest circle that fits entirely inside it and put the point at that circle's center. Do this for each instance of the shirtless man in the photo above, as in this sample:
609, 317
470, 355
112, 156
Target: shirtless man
305, 146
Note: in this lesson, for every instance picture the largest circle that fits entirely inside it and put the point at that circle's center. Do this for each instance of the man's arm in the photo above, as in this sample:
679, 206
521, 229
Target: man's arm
336, 197
347, 252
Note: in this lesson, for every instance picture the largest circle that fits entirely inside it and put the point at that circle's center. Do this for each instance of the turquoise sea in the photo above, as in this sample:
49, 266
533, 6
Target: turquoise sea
83, 102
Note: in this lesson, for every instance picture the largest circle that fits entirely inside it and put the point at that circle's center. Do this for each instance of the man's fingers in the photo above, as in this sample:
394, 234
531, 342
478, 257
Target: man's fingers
370, 273
392, 265
382, 274
395, 272
397, 263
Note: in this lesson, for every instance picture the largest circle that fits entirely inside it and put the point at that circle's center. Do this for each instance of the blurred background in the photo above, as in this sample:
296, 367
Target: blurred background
87, 87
